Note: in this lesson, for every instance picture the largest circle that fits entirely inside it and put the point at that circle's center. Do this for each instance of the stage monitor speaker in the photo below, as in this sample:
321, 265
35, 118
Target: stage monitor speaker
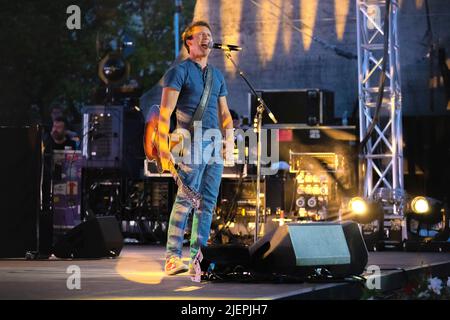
98, 237
225, 258
301, 248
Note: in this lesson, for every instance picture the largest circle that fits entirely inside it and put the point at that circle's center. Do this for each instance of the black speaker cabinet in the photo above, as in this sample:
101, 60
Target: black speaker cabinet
225, 258
102, 136
300, 248
99, 237
296, 106
112, 138
20, 192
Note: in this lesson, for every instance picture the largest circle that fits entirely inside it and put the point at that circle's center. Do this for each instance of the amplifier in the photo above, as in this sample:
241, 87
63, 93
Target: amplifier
319, 161
296, 106
102, 136
151, 170
243, 191
112, 138
340, 140
234, 171
323, 166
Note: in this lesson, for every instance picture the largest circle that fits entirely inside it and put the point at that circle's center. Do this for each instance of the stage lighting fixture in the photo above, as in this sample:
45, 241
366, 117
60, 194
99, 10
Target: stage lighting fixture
364, 211
420, 205
428, 224
113, 68
358, 206
426, 210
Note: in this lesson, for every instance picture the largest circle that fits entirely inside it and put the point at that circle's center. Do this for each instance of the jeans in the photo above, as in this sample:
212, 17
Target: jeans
205, 178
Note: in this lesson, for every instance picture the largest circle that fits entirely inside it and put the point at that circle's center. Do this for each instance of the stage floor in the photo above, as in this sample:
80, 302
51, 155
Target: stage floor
138, 274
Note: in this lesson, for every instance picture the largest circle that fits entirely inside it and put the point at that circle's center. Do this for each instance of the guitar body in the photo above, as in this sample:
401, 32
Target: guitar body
151, 136
151, 152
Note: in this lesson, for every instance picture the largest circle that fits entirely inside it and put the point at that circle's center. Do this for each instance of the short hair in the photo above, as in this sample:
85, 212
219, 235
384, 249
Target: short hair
187, 34
61, 119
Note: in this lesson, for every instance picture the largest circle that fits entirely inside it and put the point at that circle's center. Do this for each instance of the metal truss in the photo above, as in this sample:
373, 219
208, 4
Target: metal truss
382, 158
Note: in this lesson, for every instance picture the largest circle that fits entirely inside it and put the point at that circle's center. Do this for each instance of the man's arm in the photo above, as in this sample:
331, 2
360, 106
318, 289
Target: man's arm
226, 125
168, 102
225, 115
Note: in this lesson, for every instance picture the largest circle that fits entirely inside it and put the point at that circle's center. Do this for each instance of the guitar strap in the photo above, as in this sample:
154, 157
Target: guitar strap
203, 100
198, 115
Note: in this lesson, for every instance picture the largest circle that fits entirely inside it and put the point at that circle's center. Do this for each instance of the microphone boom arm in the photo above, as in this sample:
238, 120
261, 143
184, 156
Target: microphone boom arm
252, 89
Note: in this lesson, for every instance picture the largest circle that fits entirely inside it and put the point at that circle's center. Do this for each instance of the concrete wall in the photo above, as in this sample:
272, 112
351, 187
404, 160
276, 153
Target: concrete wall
277, 55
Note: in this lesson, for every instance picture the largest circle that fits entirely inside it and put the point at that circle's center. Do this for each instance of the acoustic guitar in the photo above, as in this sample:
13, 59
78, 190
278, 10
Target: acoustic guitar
151, 152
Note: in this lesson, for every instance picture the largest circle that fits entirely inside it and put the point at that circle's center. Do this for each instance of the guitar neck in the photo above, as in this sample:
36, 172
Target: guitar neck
174, 172
193, 196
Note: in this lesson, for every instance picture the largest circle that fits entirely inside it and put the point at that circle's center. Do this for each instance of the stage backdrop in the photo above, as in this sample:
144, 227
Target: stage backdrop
288, 44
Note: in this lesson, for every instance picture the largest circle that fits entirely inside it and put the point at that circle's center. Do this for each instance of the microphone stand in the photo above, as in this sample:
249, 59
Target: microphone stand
257, 123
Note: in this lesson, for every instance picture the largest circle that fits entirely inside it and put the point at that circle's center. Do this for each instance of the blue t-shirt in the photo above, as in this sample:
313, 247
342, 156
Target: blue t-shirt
188, 78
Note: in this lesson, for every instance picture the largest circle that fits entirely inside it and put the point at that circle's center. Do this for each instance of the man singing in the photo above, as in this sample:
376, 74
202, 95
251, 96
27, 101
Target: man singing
183, 88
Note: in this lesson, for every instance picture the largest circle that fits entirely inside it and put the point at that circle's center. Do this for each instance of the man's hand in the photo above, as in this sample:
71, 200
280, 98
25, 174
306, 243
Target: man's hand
227, 151
227, 130
164, 157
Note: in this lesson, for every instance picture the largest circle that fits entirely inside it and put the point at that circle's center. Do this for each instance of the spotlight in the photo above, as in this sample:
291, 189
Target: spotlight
425, 209
358, 206
420, 205
427, 223
364, 211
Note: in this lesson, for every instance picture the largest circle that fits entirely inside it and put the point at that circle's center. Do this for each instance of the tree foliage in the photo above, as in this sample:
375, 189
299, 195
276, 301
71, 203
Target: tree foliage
43, 63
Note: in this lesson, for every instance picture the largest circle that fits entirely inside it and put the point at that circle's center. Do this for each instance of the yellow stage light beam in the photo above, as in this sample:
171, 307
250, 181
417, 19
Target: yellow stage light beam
308, 15
188, 289
269, 24
419, 4
287, 9
230, 22
146, 272
201, 10
341, 9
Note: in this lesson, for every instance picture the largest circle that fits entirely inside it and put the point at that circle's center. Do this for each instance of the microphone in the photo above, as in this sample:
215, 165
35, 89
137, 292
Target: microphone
225, 47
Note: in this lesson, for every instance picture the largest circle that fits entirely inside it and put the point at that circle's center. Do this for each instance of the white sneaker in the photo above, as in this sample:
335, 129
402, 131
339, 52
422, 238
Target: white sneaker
174, 265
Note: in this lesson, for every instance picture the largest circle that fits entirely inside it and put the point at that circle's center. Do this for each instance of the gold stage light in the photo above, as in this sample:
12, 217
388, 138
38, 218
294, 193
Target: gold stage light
358, 206
364, 210
420, 205
426, 210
